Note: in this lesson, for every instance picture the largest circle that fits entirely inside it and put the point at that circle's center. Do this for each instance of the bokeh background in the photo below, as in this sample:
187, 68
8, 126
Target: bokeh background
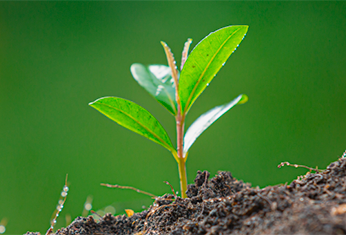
56, 57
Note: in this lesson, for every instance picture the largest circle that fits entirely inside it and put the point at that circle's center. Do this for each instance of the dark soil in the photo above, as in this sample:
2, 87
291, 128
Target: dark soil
312, 204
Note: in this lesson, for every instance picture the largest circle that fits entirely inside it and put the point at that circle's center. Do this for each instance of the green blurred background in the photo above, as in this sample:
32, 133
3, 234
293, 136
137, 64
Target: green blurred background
56, 57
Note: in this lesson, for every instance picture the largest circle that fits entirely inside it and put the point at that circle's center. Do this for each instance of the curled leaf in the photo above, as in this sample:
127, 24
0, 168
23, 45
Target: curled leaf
157, 80
208, 118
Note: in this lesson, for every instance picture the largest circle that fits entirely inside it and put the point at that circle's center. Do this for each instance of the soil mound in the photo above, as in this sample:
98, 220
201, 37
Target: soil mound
312, 204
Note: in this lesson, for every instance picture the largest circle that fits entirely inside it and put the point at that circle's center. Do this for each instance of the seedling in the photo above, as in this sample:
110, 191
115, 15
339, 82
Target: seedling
177, 91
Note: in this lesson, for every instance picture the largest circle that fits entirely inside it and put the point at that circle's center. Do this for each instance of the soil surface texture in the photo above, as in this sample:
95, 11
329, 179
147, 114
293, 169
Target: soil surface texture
312, 204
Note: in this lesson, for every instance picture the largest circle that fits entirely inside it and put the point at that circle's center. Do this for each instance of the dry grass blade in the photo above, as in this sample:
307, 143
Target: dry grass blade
296, 166
166, 182
93, 212
59, 207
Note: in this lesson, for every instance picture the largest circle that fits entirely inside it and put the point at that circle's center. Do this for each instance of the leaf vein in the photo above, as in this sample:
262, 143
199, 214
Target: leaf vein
204, 71
162, 141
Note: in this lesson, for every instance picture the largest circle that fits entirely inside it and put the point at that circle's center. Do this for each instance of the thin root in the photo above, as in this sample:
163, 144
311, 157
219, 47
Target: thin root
129, 187
296, 166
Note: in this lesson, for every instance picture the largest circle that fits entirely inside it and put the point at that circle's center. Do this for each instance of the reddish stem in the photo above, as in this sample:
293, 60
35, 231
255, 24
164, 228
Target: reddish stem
180, 120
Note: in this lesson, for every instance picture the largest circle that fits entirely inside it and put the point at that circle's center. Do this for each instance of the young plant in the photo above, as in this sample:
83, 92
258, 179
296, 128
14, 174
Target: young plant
177, 91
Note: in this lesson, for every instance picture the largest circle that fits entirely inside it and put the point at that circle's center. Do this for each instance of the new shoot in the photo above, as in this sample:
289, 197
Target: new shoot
177, 90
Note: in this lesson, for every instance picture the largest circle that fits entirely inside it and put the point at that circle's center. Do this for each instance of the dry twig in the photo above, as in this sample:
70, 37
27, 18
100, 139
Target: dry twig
129, 187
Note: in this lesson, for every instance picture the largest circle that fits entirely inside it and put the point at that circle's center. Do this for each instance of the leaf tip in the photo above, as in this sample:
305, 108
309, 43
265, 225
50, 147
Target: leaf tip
134, 65
244, 99
133, 68
163, 43
97, 101
246, 28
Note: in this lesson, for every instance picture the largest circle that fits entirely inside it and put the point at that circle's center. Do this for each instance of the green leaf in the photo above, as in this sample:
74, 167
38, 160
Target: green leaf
133, 117
158, 81
208, 118
206, 60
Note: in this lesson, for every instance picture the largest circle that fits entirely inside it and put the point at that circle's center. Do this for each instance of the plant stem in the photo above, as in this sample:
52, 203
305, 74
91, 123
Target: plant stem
180, 121
181, 160
182, 176
179, 118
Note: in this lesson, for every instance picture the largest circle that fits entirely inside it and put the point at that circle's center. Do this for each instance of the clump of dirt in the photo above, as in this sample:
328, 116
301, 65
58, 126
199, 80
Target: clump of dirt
312, 204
